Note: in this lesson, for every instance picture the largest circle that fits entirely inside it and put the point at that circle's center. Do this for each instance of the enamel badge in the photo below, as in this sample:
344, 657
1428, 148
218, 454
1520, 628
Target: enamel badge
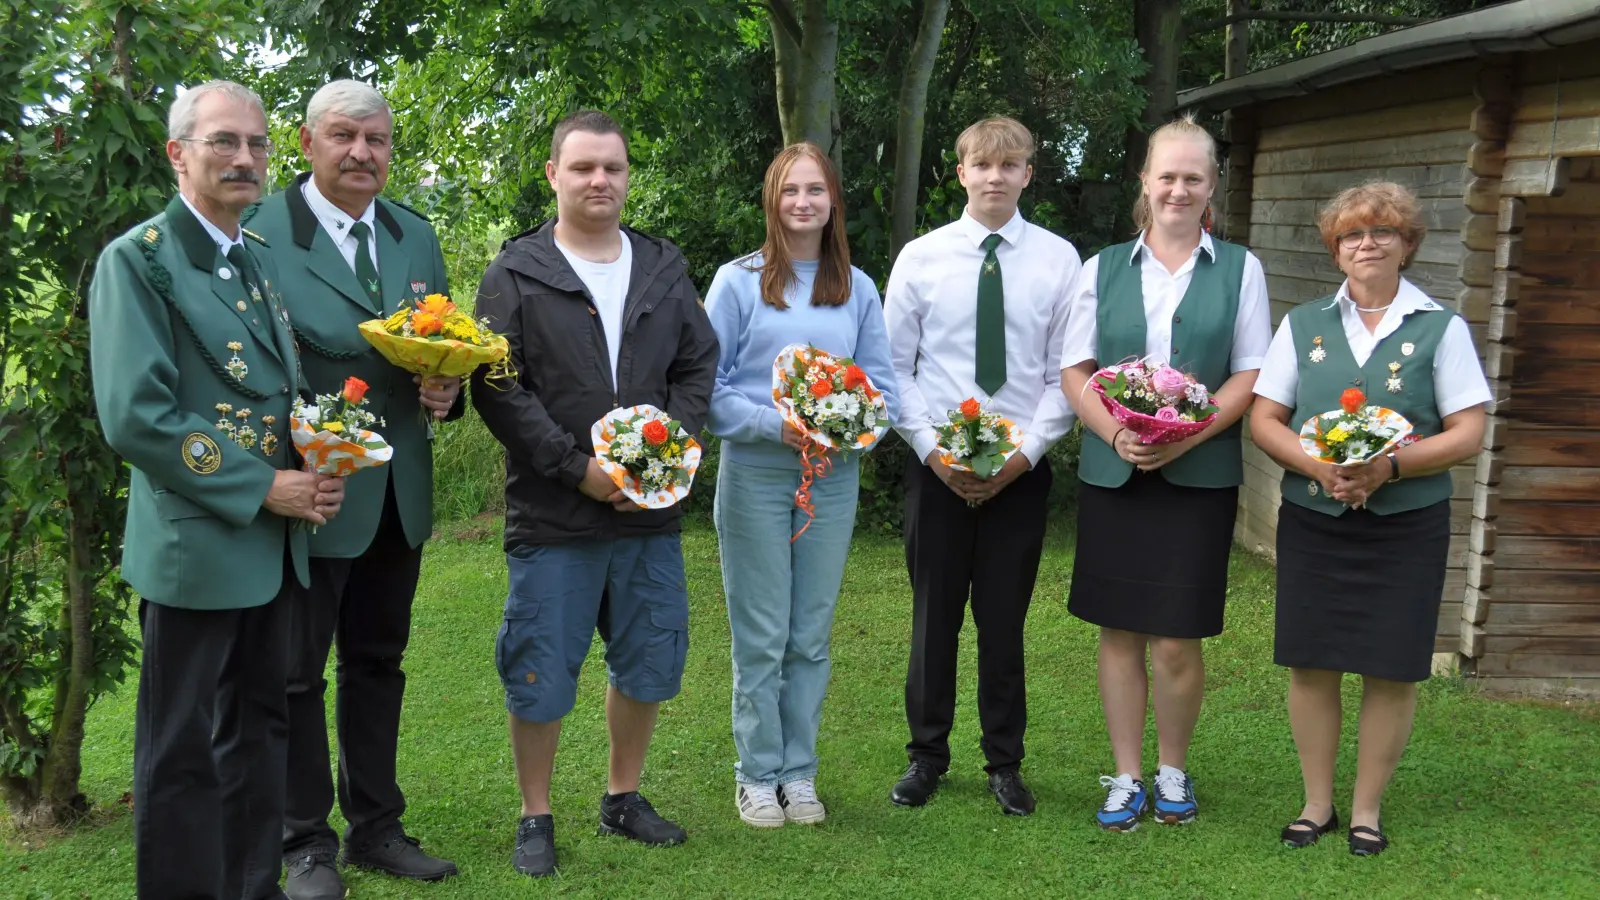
236, 366
1317, 353
1407, 348
1394, 384
201, 454
419, 287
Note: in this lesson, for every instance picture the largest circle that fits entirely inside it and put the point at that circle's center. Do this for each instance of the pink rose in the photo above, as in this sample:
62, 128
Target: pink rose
1167, 413
1169, 382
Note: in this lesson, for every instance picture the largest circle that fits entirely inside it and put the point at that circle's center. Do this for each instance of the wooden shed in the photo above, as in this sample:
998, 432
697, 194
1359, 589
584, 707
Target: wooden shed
1493, 118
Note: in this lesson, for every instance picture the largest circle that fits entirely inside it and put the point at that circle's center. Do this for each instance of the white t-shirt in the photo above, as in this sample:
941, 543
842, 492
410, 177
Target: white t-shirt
608, 288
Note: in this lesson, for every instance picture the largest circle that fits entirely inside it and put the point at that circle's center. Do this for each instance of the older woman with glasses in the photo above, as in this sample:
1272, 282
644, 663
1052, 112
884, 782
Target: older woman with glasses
1361, 550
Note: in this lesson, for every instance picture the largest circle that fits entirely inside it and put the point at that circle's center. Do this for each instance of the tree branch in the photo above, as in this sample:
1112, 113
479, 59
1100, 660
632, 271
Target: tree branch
1278, 15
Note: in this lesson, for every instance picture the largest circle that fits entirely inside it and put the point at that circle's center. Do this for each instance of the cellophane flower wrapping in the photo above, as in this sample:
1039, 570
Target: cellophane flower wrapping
828, 398
647, 454
975, 440
334, 437
1158, 403
1354, 434
434, 337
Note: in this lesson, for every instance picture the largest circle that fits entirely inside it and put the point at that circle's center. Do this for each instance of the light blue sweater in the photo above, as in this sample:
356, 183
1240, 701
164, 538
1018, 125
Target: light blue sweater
751, 334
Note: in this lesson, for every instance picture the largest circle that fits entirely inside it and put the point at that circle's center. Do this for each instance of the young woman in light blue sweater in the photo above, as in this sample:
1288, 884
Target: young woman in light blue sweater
799, 288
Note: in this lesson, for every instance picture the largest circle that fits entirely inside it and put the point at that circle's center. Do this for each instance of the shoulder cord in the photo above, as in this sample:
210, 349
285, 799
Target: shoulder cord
335, 355
161, 280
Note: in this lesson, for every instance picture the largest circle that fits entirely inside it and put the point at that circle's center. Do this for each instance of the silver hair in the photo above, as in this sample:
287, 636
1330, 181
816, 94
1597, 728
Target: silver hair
182, 116
346, 97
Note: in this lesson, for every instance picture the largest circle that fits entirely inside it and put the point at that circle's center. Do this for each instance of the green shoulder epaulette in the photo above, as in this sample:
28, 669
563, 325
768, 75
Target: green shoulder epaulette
150, 237
410, 209
255, 237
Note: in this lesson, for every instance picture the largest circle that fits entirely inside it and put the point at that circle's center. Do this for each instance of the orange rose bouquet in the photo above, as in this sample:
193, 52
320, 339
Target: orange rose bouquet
335, 434
647, 453
831, 401
1355, 433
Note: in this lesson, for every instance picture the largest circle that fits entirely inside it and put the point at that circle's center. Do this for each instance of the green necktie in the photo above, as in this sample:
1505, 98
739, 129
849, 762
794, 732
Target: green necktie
366, 272
248, 273
991, 368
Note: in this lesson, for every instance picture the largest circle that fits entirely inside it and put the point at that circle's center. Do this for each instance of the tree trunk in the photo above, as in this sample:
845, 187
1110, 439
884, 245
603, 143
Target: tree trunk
1237, 56
909, 129
60, 800
786, 65
1158, 27
805, 57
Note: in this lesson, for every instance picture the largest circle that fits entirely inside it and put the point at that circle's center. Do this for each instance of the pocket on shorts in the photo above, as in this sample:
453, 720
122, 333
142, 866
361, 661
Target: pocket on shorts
668, 646
521, 649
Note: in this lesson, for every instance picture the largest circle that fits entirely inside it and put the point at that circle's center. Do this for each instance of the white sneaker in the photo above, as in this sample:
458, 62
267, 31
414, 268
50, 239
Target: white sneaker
800, 803
758, 805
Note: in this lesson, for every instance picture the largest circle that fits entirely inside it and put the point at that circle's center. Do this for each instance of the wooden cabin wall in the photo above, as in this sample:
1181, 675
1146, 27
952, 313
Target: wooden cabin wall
1417, 130
1540, 628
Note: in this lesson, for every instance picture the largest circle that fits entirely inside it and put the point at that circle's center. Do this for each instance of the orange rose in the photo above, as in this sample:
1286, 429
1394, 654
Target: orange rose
437, 305
655, 433
971, 409
424, 324
1352, 400
354, 390
820, 389
854, 378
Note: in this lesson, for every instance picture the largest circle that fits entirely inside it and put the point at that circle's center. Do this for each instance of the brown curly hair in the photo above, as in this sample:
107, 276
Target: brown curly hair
1373, 203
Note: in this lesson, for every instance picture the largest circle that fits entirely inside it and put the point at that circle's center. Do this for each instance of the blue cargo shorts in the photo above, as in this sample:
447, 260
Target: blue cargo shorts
555, 606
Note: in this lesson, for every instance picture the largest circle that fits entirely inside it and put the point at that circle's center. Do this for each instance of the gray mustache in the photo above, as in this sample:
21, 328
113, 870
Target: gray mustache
354, 165
241, 175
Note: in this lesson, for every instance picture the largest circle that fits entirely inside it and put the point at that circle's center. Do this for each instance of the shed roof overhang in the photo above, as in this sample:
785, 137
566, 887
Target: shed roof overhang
1520, 26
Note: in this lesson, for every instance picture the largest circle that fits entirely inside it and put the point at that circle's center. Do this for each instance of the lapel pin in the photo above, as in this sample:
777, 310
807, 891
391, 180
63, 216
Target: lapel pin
1407, 348
1317, 353
240, 306
1394, 384
225, 273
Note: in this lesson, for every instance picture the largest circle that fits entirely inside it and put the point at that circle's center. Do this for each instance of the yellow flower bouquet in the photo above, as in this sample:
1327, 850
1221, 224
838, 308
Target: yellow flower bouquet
435, 337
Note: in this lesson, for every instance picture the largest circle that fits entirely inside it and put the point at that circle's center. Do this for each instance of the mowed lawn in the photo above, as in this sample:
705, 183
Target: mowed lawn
1492, 799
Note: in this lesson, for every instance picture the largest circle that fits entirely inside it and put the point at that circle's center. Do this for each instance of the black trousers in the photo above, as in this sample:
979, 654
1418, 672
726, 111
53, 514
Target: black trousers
362, 606
209, 737
992, 554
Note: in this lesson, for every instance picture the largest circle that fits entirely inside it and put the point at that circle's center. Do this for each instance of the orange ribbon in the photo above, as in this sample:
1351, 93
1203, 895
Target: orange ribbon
810, 470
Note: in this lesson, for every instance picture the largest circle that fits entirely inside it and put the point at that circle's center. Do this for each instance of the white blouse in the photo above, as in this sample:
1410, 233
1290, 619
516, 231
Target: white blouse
1458, 381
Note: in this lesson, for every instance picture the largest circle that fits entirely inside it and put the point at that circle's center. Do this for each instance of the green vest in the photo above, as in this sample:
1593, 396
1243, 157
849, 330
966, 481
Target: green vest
1321, 383
1202, 345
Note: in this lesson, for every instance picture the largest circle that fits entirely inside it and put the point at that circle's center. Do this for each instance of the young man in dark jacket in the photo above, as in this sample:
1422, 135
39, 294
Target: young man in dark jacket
598, 317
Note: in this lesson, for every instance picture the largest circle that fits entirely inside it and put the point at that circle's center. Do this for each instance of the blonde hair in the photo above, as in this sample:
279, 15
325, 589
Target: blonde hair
1373, 203
997, 138
1182, 127
833, 282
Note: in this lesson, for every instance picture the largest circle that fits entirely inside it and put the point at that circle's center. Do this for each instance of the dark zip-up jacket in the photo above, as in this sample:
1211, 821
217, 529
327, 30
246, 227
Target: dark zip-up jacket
668, 359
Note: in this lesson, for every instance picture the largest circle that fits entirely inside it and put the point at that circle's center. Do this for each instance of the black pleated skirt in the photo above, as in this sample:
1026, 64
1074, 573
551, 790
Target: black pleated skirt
1152, 556
1360, 592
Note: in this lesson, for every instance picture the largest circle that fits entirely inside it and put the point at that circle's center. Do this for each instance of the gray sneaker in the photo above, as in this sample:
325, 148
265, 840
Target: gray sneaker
313, 876
799, 801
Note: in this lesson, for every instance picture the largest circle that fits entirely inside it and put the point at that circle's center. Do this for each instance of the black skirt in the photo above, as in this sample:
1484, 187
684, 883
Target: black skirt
1360, 592
1152, 556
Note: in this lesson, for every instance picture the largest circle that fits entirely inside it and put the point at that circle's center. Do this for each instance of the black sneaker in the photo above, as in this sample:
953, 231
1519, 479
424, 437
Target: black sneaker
631, 816
535, 854
399, 855
313, 876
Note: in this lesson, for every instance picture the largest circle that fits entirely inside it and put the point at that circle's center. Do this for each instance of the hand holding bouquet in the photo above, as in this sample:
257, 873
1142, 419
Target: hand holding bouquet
977, 441
435, 338
1354, 434
1158, 403
834, 406
334, 434
647, 454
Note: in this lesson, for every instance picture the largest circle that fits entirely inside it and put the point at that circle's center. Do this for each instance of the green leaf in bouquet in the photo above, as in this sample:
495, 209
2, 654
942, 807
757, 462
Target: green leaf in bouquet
1114, 387
1003, 447
984, 465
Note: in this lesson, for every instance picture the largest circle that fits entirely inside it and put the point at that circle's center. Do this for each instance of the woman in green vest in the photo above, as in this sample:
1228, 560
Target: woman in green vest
1361, 551
1173, 295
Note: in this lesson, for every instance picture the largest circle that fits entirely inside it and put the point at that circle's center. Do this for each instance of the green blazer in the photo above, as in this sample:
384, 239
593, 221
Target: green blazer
328, 306
194, 380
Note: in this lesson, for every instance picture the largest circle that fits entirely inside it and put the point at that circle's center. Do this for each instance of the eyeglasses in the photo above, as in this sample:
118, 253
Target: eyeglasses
227, 145
1382, 235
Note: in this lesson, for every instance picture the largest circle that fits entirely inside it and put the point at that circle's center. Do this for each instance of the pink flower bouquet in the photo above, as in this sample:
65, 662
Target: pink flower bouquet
1159, 404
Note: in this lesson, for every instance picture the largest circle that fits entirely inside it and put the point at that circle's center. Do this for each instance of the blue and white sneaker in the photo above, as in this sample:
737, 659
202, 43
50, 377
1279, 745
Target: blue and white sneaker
1126, 800
1174, 797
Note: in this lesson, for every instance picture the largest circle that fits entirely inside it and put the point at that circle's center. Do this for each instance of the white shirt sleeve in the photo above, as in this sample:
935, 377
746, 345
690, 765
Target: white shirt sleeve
1252, 324
1458, 381
1279, 377
1053, 417
1083, 330
902, 316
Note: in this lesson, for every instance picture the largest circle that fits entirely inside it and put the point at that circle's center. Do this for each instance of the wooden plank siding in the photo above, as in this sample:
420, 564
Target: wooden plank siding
1418, 133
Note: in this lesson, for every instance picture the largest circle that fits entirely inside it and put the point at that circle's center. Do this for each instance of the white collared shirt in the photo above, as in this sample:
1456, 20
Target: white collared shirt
931, 310
1458, 381
224, 243
337, 223
1163, 291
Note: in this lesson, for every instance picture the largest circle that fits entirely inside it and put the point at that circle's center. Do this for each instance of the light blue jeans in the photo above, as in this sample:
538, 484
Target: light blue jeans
780, 609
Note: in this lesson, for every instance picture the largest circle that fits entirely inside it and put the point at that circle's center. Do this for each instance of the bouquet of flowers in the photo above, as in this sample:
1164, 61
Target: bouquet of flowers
977, 441
435, 338
1159, 404
831, 401
334, 434
647, 453
1355, 433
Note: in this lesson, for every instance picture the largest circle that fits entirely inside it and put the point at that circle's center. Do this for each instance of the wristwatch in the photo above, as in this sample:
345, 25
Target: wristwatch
1394, 465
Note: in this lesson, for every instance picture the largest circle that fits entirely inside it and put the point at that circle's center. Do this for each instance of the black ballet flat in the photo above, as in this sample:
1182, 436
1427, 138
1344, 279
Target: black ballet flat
1309, 834
1361, 845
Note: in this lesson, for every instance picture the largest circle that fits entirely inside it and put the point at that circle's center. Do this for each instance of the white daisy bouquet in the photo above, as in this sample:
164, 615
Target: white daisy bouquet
828, 398
1355, 433
977, 441
647, 453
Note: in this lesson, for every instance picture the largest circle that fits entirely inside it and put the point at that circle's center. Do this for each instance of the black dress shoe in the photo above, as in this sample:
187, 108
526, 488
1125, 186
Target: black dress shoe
535, 853
917, 785
312, 876
1013, 796
1308, 832
1363, 845
631, 816
399, 855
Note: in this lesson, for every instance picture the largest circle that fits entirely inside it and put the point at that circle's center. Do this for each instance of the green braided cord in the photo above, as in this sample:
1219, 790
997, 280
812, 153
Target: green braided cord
335, 355
161, 280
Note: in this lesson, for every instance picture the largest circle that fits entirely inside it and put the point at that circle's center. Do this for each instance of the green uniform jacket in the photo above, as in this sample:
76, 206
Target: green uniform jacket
194, 380
328, 305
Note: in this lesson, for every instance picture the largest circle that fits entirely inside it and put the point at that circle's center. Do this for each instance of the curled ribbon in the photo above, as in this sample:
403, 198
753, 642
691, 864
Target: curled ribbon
810, 470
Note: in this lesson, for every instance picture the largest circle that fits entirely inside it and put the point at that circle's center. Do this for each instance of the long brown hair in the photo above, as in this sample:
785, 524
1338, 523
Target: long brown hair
832, 285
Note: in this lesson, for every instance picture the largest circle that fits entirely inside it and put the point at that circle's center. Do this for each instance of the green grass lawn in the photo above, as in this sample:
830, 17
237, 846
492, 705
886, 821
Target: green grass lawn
1489, 801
